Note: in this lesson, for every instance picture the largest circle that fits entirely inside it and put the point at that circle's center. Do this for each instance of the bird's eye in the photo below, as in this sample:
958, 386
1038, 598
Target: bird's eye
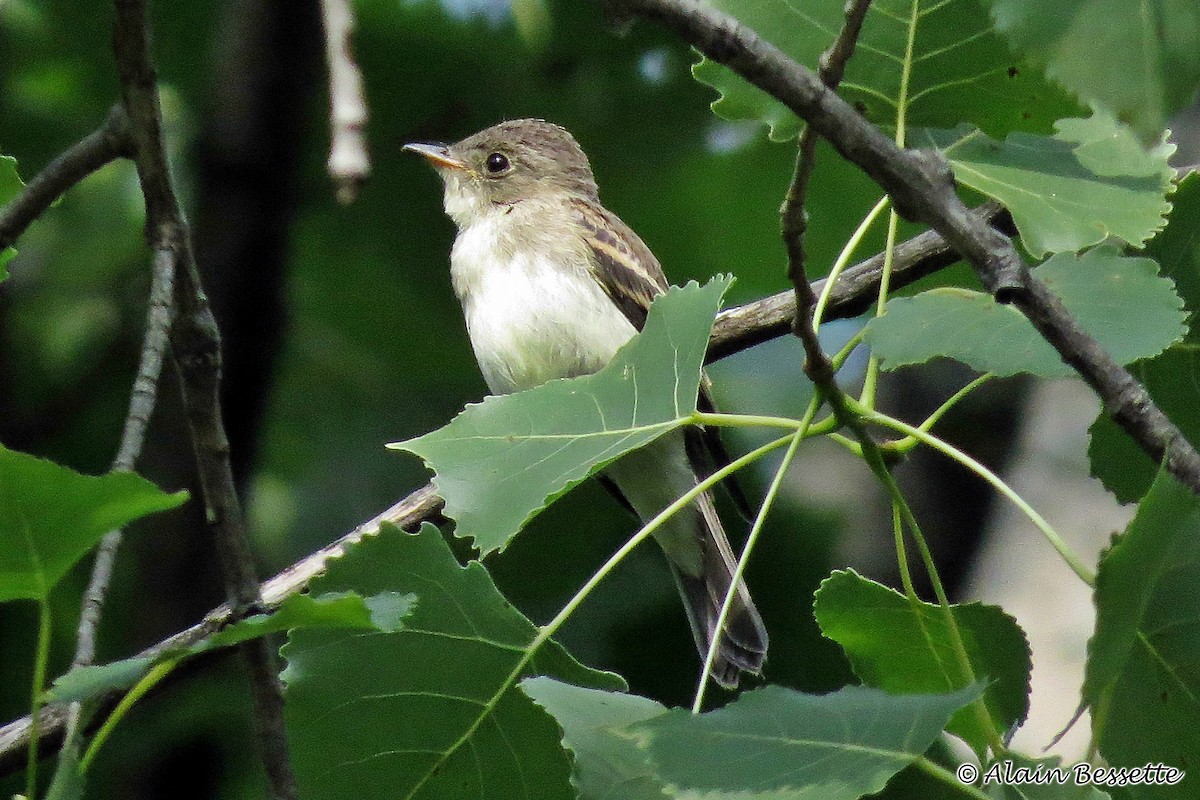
496, 163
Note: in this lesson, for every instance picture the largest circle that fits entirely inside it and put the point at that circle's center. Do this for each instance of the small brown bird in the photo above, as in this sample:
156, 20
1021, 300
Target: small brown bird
552, 284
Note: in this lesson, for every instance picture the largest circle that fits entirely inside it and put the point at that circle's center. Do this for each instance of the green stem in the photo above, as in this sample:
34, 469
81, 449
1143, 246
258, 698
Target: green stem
982, 714
846, 442
751, 540
41, 660
854, 341
148, 682
757, 421
1073, 561
844, 258
909, 442
871, 381
902, 554
949, 778
906, 74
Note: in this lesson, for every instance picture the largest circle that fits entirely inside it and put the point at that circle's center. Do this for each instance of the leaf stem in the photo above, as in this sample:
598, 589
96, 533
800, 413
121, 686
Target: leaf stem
902, 553
751, 540
148, 682
41, 660
756, 421
871, 381
844, 258
982, 714
909, 442
1073, 561
900, 505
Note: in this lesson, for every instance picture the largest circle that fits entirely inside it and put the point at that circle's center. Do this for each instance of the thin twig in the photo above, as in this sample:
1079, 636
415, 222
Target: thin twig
922, 189
794, 218
349, 163
195, 346
142, 399
107, 143
736, 329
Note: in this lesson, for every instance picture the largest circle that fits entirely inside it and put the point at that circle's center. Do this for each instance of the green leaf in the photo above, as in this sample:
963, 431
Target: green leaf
961, 69
500, 462
1120, 301
384, 611
1142, 679
340, 610
1089, 181
906, 648
785, 744
607, 760
1172, 378
10, 186
432, 710
51, 516
1177, 248
1141, 60
69, 780
84, 683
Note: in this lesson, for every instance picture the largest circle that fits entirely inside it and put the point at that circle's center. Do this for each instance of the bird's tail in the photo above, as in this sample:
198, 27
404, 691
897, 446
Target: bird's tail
742, 645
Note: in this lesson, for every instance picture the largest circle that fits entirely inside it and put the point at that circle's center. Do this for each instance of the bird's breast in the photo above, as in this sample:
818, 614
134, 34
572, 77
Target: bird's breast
533, 310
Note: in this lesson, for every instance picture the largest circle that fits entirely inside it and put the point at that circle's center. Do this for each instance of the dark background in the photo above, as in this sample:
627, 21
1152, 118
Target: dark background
341, 331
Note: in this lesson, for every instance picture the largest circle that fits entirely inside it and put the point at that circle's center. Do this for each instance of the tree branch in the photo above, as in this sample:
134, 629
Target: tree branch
349, 164
195, 345
735, 330
107, 143
922, 189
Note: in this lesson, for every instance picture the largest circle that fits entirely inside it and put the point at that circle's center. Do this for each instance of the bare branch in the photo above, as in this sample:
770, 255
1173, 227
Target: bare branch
349, 164
142, 399
107, 143
922, 189
196, 348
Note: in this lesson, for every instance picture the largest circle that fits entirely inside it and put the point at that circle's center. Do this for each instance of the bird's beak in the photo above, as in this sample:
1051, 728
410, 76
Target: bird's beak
437, 154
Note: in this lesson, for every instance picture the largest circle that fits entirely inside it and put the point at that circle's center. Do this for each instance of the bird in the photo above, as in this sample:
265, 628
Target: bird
551, 284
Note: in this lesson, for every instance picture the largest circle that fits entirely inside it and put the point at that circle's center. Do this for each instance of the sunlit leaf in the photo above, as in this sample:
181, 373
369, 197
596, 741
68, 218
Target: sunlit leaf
1120, 301
960, 69
907, 648
1143, 672
1141, 60
51, 516
500, 462
432, 710
1089, 181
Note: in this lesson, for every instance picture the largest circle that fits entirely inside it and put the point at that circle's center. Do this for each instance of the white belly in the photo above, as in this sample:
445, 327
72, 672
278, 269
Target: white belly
529, 321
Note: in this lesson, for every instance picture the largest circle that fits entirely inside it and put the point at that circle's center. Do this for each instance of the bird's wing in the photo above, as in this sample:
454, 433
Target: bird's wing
630, 274
622, 264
